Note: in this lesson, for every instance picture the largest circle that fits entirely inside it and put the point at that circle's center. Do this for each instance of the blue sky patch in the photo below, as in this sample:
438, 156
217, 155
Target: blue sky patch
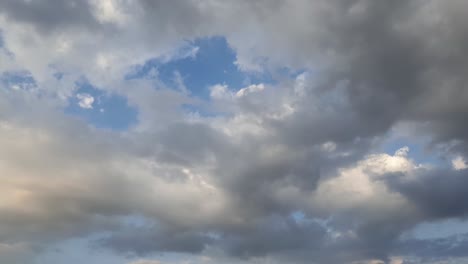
213, 63
418, 150
17, 80
102, 110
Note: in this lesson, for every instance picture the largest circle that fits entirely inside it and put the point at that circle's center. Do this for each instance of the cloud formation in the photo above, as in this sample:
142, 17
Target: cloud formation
285, 170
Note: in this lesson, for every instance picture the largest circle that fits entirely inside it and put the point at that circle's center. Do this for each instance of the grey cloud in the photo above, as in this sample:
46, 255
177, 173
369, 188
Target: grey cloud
274, 235
191, 143
451, 249
50, 15
437, 194
377, 63
144, 241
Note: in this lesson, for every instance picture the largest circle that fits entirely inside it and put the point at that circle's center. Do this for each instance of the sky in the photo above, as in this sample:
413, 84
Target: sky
233, 132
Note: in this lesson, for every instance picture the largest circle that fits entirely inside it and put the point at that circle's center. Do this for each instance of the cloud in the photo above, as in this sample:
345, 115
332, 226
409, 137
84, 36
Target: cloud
145, 262
254, 88
145, 241
437, 193
85, 100
307, 143
459, 163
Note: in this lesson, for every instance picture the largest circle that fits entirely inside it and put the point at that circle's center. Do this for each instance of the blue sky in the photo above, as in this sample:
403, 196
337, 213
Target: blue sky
17, 80
212, 63
107, 110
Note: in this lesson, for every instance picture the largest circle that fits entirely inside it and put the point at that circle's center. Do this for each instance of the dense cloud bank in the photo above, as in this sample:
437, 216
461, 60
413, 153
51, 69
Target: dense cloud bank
286, 171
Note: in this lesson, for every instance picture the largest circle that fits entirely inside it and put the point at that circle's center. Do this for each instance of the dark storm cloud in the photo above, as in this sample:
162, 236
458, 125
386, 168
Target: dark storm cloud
49, 15
437, 248
274, 235
438, 194
403, 60
144, 241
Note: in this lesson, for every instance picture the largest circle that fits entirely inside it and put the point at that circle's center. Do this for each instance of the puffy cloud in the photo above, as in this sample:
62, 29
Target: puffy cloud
254, 88
289, 172
459, 163
85, 100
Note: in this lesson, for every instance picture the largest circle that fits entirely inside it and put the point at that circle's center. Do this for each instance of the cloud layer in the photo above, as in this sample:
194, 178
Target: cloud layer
285, 170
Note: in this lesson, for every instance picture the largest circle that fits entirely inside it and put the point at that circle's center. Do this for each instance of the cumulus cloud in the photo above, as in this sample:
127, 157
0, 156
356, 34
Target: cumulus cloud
459, 163
288, 170
85, 100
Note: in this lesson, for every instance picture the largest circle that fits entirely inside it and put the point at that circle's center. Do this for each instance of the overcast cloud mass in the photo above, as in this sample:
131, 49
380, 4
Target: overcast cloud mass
319, 131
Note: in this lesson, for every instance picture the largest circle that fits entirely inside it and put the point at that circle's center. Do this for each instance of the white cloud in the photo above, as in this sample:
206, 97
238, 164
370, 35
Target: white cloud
85, 100
358, 187
402, 152
110, 11
220, 91
459, 163
254, 88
